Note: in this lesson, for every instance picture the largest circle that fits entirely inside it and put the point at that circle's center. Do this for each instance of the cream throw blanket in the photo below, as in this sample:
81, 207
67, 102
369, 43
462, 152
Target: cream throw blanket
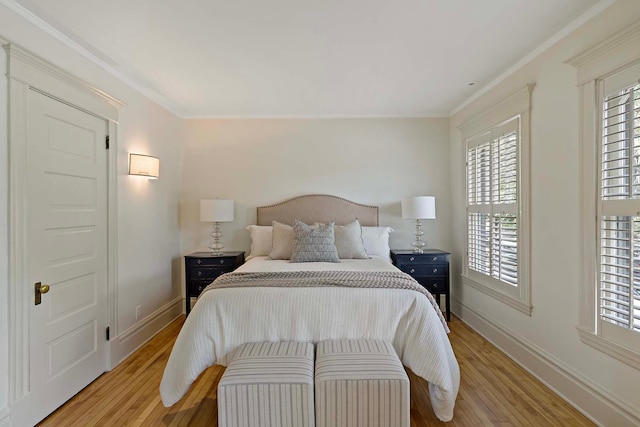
301, 279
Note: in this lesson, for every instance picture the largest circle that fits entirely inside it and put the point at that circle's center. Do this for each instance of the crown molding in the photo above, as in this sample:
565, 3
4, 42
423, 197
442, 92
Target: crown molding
318, 116
572, 26
81, 50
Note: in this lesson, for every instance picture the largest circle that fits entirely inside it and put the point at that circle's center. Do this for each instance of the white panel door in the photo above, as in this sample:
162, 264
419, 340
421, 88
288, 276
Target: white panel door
67, 244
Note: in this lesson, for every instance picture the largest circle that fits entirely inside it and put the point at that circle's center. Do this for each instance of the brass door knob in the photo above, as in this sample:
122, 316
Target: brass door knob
39, 290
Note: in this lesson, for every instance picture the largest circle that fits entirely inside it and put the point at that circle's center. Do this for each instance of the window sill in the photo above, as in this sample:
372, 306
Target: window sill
500, 296
610, 348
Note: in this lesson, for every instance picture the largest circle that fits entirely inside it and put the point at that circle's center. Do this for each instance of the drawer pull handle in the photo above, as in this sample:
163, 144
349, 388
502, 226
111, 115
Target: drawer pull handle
435, 258
435, 270
411, 259
435, 286
412, 271
221, 261
199, 273
199, 288
199, 261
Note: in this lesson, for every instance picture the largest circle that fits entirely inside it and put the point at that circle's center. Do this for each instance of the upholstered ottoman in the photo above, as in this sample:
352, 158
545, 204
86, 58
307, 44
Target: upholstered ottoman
268, 384
360, 383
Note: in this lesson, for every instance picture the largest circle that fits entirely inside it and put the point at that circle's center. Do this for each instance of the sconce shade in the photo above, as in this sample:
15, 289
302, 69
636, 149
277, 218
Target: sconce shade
422, 207
216, 210
142, 165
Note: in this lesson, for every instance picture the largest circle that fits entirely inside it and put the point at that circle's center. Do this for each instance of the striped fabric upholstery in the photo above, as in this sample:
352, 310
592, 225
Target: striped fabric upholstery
268, 385
360, 383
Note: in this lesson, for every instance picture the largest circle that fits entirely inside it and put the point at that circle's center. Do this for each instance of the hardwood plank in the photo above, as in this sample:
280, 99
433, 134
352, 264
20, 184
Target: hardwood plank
494, 391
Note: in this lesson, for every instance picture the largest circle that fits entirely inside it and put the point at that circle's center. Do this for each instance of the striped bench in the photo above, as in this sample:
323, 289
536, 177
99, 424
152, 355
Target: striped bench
360, 383
268, 384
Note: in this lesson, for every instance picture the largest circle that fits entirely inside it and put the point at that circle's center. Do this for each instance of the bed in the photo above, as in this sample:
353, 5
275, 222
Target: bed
277, 300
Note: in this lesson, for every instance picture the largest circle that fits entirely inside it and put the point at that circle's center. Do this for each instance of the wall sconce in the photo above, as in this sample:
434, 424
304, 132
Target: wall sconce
142, 165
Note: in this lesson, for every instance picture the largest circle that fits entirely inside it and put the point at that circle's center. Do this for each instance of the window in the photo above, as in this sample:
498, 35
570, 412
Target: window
496, 259
609, 81
492, 203
619, 205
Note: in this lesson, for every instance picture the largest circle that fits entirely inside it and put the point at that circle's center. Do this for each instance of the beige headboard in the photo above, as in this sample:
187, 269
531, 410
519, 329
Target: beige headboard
318, 208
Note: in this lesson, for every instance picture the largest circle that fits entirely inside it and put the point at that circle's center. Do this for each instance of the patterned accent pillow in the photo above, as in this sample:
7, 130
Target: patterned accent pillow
313, 244
349, 240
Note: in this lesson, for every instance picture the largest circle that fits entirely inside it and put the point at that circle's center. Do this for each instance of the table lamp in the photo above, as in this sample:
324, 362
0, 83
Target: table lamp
216, 211
418, 208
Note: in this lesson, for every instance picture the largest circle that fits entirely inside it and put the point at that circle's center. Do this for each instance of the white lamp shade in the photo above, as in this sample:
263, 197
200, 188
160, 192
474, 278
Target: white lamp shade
216, 210
142, 165
422, 207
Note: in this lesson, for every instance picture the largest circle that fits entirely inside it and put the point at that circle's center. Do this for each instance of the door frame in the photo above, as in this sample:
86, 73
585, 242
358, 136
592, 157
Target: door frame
25, 72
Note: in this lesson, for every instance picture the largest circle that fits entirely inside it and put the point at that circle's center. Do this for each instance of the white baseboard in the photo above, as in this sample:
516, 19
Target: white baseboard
5, 420
587, 397
137, 335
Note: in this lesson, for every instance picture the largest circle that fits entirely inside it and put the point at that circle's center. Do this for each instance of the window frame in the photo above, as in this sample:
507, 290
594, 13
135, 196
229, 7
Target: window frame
611, 57
616, 207
517, 106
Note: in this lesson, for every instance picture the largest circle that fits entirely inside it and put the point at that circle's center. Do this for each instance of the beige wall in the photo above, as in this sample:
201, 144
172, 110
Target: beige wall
148, 227
148, 236
259, 162
555, 213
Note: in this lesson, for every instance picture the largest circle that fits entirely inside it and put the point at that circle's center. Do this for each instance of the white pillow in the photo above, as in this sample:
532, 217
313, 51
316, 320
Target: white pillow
261, 240
349, 241
282, 245
376, 241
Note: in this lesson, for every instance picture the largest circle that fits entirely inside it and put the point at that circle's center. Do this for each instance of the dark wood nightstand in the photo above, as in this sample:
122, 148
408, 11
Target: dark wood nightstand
202, 268
430, 269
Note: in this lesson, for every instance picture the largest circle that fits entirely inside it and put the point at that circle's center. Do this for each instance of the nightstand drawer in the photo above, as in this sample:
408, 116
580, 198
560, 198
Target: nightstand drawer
429, 268
434, 285
422, 259
202, 268
197, 286
211, 262
425, 269
208, 272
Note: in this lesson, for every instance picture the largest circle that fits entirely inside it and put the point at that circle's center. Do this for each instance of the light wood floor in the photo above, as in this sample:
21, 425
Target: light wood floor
494, 391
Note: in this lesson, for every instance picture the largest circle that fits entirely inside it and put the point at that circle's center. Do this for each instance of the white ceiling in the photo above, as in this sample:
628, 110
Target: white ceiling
208, 58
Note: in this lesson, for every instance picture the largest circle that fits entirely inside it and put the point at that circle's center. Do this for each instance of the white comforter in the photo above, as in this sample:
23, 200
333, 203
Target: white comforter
222, 319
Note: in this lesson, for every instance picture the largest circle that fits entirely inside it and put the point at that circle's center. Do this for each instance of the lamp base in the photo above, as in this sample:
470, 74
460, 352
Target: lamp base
216, 247
418, 244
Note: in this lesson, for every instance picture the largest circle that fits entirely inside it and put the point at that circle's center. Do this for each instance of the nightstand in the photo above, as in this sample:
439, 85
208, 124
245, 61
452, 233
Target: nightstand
202, 268
430, 269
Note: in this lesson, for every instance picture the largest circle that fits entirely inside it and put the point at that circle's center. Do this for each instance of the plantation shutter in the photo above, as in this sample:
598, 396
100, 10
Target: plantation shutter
619, 245
479, 203
492, 202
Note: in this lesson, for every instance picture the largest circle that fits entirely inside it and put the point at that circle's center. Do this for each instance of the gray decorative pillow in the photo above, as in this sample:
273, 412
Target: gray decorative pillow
349, 241
313, 244
282, 241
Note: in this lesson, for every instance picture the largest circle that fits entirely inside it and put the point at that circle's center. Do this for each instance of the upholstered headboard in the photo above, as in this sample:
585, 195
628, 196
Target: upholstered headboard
318, 208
